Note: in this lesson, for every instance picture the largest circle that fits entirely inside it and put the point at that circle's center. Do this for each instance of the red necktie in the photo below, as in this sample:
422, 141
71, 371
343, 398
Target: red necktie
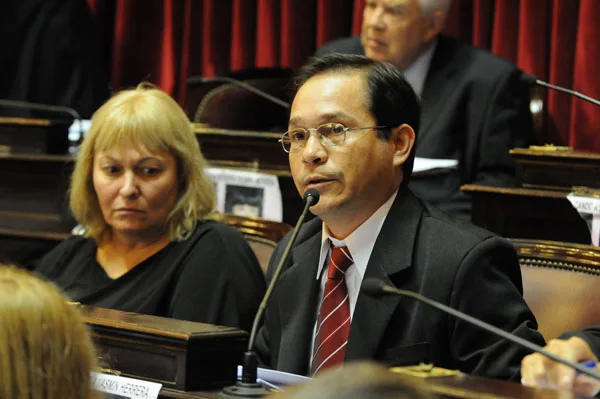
333, 324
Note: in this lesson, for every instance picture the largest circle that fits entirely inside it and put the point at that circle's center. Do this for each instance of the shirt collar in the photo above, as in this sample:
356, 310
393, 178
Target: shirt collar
360, 242
416, 73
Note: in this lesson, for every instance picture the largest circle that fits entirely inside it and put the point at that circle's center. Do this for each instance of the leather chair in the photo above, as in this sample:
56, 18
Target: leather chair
561, 284
228, 106
262, 235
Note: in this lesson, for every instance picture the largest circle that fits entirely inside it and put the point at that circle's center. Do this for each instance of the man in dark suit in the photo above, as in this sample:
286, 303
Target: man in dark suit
351, 137
52, 55
576, 346
474, 106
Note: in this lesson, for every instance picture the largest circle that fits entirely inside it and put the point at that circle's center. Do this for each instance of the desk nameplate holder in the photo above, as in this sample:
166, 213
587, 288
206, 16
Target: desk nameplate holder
178, 354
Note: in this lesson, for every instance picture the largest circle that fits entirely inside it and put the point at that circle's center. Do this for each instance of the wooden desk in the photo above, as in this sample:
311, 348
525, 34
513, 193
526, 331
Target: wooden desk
255, 151
461, 386
558, 169
527, 213
182, 355
34, 136
455, 387
34, 213
465, 386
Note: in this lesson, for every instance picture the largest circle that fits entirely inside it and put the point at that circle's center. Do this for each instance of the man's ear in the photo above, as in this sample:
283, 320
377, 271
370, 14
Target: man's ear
403, 137
434, 25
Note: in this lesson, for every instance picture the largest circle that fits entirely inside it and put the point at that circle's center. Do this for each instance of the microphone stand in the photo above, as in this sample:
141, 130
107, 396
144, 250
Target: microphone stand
375, 287
41, 107
248, 387
193, 81
531, 79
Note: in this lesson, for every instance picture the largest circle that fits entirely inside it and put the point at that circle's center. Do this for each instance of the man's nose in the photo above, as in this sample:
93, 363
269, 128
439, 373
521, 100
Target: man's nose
314, 152
375, 19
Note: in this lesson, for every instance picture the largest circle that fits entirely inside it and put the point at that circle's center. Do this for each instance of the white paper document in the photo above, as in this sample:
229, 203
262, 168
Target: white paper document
424, 164
276, 379
589, 210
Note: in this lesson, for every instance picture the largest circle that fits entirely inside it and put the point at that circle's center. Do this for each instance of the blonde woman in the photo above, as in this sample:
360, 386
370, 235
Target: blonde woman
150, 246
45, 350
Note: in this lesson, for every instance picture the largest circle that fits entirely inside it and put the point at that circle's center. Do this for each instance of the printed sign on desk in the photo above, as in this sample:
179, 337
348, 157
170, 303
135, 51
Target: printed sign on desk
244, 193
589, 209
125, 387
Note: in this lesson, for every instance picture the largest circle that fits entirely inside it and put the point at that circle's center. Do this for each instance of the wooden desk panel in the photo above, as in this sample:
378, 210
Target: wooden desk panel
558, 169
38, 136
182, 355
465, 386
527, 213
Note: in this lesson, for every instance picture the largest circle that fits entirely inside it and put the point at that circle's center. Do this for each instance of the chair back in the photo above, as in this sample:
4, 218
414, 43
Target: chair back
262, 235
561, 284
229, 106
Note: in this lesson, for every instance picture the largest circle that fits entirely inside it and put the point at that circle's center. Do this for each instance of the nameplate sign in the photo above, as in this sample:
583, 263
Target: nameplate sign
125, 387
589, 209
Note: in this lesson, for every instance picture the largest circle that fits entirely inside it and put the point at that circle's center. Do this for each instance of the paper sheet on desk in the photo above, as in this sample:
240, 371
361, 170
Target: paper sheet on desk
425, 164
277, 378
589, 210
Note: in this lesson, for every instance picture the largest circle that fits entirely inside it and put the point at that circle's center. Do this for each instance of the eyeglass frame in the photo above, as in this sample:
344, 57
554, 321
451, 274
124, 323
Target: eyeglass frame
320, 136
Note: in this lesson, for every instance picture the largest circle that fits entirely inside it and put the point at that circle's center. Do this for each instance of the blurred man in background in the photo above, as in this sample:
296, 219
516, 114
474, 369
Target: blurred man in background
474, 105
51, 55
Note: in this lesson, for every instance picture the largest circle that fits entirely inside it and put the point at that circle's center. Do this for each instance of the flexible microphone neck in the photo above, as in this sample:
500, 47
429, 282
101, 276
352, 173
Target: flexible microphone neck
41, 107
533, 80
198, 80
376, 287
311, 197
248, 387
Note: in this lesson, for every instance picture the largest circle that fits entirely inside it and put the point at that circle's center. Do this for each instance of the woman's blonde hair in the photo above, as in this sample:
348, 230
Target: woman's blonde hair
45, 349
149, 119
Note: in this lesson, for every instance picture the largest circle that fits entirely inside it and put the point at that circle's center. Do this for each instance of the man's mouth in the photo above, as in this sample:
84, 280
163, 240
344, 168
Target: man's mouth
316, 181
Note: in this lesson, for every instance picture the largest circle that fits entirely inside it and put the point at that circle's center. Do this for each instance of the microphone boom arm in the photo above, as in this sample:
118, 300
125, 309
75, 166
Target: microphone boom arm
490, 328
41, 107
197, 80
568, 91
261, 308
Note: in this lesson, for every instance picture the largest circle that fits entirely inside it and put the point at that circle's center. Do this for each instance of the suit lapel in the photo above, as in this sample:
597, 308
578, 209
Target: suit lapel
392, 254
299, 286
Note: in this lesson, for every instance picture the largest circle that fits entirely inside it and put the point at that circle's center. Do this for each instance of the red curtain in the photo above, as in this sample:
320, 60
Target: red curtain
165, 41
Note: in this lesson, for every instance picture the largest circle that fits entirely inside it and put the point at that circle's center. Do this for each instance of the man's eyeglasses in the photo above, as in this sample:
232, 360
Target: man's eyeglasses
329, 134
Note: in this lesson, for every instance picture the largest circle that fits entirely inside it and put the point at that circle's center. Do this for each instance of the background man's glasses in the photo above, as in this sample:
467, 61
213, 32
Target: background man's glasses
329, 134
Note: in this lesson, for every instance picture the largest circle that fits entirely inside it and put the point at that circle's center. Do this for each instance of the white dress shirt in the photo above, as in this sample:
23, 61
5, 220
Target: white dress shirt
360, 244
416, 73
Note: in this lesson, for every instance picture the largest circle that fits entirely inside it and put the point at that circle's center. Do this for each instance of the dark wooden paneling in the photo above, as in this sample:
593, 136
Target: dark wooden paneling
527, 213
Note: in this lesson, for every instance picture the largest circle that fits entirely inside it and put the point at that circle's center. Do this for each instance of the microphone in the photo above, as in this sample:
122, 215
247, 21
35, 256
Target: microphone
198, 80
376, 287
248, 387
533, 80
41, 107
